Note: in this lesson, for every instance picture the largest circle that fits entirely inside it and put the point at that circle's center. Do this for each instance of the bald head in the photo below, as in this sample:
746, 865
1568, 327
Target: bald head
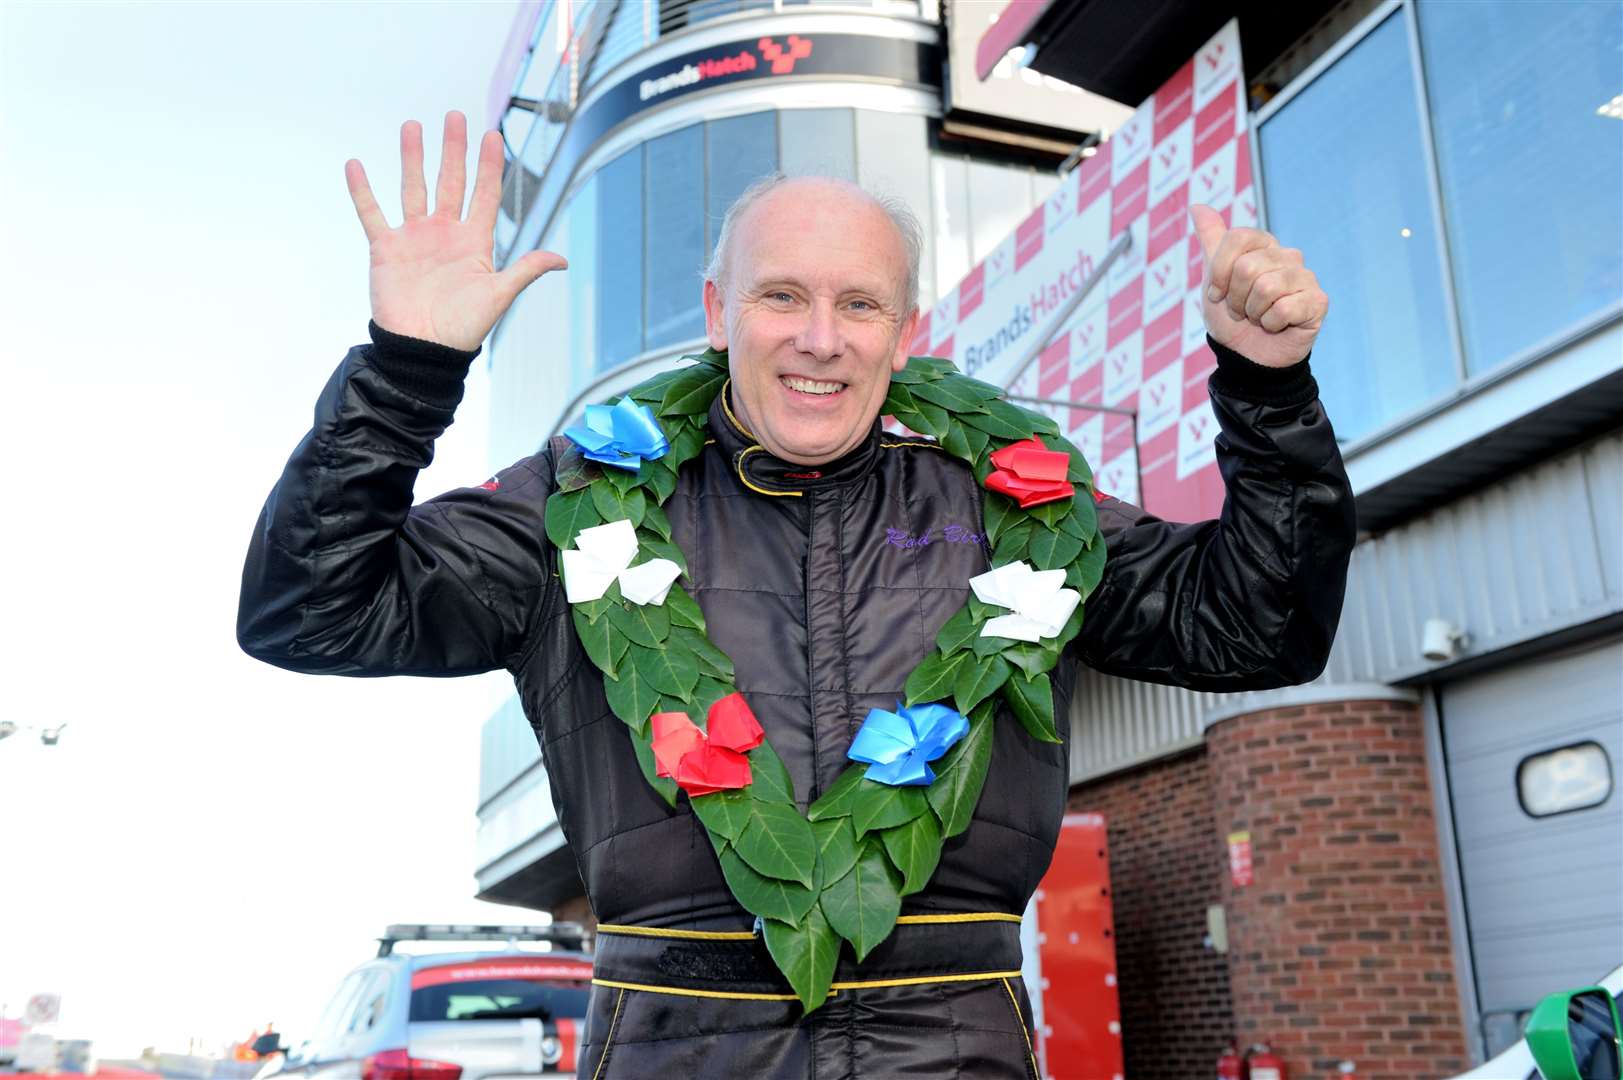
768, 189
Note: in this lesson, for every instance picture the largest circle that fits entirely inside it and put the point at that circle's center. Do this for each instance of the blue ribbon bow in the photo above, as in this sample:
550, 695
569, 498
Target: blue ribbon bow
622, 434
898, 745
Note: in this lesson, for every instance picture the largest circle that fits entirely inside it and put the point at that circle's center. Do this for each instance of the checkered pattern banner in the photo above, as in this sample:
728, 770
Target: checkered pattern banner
1137, 344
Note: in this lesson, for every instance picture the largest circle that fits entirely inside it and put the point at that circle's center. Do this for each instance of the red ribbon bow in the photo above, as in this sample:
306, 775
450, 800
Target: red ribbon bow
700, 763
1030, 473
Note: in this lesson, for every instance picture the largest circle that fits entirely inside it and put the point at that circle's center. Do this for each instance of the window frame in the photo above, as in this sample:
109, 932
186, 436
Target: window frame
1521, 766
1466, 385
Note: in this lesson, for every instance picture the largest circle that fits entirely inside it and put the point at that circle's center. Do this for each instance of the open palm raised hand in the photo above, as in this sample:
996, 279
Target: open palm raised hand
433, 277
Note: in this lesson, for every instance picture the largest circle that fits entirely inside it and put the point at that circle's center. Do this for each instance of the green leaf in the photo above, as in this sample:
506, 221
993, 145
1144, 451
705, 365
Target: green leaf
1051, 513
954, 443
724, 813
646, 624
839, 799
933, 679
1052, 549
1005, 423
1011, 545
990, 646
567, 514
862, 906
1033, 703
706, 694
685, 444
661, 549
769, 777
683, 609
1031, 658
571, 472
595, 610
654, 520
806, 954
999, 512
623, 480
1041, 423
957, 633
711, 660
692, 392
879, 806
603, 645
913, 373
651, 391
915, 849
936, 421
985, 389
1081, 518
1084, 573
777, 842
937, 366
631, 697
836, 848
1078, 471
897, 398
959, 775
664, 786
772, 898
612, 505
978, 441
952, 395
659, 479
980, 681
671, 670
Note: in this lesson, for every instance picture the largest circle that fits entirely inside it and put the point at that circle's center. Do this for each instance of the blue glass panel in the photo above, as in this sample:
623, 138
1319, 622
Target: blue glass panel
1531, 166
619, 232
738, 151
674, 204
1344, 170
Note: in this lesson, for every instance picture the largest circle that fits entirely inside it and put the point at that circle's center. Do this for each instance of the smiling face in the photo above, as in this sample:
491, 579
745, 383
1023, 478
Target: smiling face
813, 312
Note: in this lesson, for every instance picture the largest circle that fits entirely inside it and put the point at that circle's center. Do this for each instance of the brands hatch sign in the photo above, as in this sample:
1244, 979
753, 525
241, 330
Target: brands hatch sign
836, 55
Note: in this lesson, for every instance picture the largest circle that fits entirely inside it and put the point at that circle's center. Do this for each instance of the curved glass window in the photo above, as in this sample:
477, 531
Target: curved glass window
1530, 159
1356, 197
673, 201
737, 151
619, 245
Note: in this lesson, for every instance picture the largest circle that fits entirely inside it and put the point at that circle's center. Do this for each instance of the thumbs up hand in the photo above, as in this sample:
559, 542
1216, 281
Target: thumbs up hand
1259, 299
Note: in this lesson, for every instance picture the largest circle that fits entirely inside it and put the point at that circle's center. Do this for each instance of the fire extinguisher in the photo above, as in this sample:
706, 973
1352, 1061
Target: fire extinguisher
1229, 1065
1264, 1064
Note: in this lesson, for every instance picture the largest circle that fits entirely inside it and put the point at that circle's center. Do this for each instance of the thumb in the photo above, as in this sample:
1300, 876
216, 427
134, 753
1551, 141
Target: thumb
1209, 228
521, 274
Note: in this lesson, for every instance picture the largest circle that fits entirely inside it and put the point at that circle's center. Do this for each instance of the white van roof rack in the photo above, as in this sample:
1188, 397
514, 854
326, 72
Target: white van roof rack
567, 935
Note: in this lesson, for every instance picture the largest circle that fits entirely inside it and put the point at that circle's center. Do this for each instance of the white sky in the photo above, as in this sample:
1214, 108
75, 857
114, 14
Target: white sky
214, 842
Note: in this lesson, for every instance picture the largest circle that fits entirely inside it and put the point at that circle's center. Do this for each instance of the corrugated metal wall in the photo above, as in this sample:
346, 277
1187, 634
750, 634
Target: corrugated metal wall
1538, 552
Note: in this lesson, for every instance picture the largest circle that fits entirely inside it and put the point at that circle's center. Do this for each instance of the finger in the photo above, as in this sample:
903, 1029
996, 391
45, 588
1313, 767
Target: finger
453, 167
1272, 284
1305, 310
373, 223
1209, 228
487, 183
413, 192
1236, 243
1245, 268
523, 272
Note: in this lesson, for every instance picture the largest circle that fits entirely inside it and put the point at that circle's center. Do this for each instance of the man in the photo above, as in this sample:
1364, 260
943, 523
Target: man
783, 519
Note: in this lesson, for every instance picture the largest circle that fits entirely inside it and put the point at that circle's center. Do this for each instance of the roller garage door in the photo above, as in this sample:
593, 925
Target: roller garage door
1534, 753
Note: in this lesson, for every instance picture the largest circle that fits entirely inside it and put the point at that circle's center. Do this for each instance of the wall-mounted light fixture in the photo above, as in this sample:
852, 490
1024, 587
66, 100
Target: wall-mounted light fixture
1441, 640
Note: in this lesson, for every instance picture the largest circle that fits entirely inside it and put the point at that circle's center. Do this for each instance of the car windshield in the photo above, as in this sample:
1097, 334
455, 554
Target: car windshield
501, 990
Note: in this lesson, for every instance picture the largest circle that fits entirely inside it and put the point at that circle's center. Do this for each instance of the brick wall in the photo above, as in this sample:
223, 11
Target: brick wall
1340, 949
1165, 869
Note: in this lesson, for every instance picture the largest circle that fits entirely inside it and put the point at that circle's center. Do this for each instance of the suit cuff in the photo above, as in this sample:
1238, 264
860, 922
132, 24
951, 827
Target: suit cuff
424, 369
1238, 377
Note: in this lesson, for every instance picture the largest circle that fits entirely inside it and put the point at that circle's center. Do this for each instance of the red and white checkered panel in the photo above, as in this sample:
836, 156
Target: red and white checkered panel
1137, 344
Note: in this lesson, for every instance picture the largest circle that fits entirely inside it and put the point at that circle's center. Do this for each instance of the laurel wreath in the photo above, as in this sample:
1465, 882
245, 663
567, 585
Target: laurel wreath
841, 870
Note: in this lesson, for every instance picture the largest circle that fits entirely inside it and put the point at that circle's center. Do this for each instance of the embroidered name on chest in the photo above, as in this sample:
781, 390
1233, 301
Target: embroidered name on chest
951, 534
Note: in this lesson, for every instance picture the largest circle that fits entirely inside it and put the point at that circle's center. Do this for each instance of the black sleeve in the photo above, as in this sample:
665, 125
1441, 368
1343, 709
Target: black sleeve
344, 576
1249, 601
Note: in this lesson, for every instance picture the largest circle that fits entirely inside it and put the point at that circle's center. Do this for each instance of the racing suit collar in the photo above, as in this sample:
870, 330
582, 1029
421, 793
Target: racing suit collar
765, 474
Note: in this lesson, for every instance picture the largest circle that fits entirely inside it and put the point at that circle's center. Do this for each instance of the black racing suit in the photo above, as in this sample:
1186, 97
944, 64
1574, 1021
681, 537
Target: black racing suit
808, 582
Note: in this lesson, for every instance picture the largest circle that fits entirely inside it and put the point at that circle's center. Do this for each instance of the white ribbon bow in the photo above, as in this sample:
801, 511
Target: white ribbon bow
603, 555
1038, 598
